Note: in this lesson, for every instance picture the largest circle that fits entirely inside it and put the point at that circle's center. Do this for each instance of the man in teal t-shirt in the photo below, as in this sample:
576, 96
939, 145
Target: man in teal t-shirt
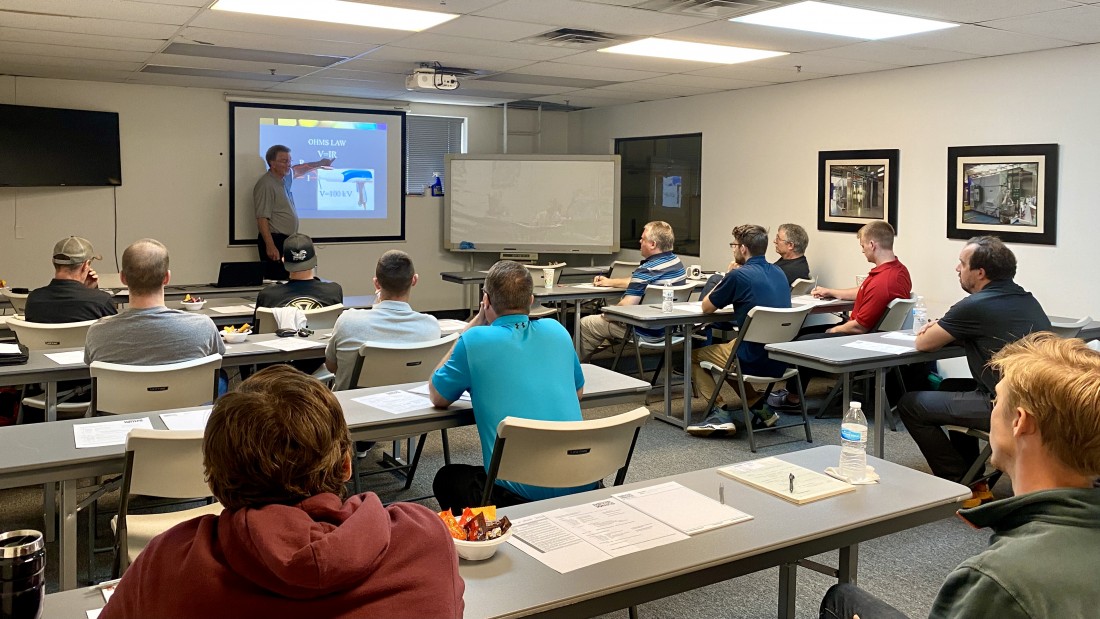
512, 366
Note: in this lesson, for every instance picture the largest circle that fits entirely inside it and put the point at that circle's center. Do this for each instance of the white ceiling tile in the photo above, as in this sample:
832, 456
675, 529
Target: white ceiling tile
224, 64
251, 40
983, 41
698, 81
412, 58
466, 45
894, 53
382, 80
83, 25
295, 28
824, 65
631, 95
724, 32
58, 61
352, 90
460, 7
490, 29
755, 72
195, 81
64, 51
637, 63
557, 69
649, 89
509, 87
962, 11
81, 40
177, 2
586, 98
452, 97
122, 10
64, 72
604, 18
1080, 24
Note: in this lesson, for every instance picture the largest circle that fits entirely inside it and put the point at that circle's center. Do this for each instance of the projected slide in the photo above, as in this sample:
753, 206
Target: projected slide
358, 197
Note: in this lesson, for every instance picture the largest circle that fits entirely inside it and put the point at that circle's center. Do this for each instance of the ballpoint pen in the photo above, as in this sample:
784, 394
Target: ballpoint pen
792, 483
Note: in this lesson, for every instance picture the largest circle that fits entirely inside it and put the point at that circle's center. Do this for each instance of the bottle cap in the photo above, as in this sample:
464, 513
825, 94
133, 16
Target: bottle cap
854, 404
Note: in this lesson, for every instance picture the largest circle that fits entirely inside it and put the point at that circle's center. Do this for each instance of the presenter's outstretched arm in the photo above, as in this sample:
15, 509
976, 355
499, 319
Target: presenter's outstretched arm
304, 168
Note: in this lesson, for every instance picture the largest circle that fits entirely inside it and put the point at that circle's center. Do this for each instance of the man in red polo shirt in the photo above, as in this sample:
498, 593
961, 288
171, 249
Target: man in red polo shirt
888, 280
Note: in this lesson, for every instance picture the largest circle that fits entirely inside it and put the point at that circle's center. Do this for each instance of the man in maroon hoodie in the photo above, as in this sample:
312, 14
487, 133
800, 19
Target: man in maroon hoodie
277, 454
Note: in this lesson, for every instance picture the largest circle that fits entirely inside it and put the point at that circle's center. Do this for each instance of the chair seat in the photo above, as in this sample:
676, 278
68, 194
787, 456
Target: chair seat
65, 410
142, 528
749, 378
541, 311
659, 343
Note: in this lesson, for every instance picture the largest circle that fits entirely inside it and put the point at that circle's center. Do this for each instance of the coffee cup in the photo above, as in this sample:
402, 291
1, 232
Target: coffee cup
548, 278
695, 271
22, 574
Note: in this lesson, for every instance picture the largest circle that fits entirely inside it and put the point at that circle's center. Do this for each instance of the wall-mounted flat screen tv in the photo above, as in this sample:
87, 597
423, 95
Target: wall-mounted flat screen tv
52, 147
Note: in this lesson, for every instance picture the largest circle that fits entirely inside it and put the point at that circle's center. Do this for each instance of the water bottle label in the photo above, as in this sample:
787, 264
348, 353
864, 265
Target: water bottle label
847, 434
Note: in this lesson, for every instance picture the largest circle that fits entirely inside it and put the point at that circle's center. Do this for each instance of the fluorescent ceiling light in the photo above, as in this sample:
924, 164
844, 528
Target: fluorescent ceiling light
339, 12
844, 21
686, 50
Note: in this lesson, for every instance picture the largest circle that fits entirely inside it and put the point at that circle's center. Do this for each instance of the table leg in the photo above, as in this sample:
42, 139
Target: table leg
577, 325
846, 402
687, 377
49, 511
849, 559
67, 537
880, 412
788, 581
51, 401
668, 374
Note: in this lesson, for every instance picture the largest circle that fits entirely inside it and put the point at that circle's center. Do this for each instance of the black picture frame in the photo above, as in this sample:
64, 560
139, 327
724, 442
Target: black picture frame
1010, 191
856, 187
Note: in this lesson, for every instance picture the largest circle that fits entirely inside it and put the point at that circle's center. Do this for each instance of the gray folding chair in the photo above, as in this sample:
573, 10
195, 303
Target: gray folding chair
654, 294
1069, 328
48, 337
763, 325
802, 286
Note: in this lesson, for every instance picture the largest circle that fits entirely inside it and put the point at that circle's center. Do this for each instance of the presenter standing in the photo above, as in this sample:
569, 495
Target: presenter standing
273, 200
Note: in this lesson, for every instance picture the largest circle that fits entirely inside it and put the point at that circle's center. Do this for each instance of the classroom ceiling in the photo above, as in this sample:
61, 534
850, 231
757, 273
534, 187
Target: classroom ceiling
500, 48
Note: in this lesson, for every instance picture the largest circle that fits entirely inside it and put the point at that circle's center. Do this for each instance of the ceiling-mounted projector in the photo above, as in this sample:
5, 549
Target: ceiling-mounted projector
430, 79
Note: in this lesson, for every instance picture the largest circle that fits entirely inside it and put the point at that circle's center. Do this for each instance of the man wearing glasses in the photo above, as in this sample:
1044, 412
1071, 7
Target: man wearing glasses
790, 243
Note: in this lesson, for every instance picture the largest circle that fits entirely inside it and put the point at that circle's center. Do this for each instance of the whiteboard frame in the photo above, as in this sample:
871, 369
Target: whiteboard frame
452, 245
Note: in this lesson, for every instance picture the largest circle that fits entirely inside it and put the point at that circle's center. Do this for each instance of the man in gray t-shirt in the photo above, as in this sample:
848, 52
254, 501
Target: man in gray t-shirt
391, 320
148, 333
273, 201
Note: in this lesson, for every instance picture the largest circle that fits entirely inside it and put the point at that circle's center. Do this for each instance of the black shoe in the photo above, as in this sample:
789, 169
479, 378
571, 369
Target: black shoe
362, 448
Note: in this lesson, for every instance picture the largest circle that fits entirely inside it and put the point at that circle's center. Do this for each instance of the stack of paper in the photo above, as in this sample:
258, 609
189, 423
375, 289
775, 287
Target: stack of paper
785, 480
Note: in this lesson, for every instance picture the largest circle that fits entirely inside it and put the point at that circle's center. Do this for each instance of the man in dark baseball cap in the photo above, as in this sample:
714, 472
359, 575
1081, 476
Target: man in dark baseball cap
303, 290
73, 294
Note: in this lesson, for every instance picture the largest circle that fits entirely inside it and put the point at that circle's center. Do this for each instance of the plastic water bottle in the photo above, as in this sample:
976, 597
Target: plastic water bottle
666, 302
920, 315
853, 443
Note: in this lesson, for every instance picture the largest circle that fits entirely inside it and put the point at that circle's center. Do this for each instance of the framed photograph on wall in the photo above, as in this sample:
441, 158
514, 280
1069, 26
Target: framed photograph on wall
1010, 191
856, 187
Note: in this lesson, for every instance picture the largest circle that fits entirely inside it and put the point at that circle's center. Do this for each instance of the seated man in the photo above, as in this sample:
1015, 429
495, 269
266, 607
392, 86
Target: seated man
1041, 559
997, 311
73, 294
753, 282
277, 455
147, 332
390, 320
888, 280
512, 366
791, 241
659, 267
303, 290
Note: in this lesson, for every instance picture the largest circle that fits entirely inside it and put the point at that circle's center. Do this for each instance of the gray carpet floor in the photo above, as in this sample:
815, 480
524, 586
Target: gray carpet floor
905, 569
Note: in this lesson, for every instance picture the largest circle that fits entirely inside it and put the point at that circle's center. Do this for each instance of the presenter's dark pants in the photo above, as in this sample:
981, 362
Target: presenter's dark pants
844, 600
458, 486
273, 269
926, 412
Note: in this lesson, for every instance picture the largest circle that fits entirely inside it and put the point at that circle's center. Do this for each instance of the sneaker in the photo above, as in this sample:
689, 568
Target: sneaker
765, 418
979, 494
362, 448
717, 423
777, 400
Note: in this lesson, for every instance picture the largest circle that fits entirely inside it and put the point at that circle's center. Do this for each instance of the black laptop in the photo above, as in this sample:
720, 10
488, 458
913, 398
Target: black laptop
239, 274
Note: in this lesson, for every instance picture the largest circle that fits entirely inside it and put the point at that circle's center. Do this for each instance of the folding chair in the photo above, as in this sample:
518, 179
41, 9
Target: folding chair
763, 325
1069, 329
654, 294
118, 389
320, 318
47, 337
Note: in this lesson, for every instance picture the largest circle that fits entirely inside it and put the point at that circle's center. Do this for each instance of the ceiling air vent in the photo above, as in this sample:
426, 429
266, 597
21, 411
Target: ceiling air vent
575, 38
547, 106
713, 9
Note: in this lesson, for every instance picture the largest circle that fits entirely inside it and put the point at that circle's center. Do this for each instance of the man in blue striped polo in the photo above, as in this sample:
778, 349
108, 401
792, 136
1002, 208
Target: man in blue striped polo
659, 267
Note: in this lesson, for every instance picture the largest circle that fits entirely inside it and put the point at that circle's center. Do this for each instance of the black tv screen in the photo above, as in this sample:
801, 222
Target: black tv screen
51, 147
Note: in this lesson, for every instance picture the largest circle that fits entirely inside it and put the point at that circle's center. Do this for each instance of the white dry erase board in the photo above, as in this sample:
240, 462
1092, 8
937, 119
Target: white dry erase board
539, 203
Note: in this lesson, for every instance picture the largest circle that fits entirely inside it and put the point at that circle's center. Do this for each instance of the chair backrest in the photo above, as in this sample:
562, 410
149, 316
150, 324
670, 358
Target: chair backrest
563, 454
802, 286
393, 364
17, 300
320, 318
43, 336
621, 269
166, 463
539, 276
1061, 329
119, 389
655, 293
772, 325
896, 312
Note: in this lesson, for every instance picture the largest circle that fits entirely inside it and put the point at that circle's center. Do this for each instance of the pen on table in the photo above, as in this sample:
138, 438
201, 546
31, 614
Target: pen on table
792, 483
721, 494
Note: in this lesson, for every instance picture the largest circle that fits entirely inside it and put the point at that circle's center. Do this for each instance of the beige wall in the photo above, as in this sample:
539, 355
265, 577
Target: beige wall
760, 160
175, 188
